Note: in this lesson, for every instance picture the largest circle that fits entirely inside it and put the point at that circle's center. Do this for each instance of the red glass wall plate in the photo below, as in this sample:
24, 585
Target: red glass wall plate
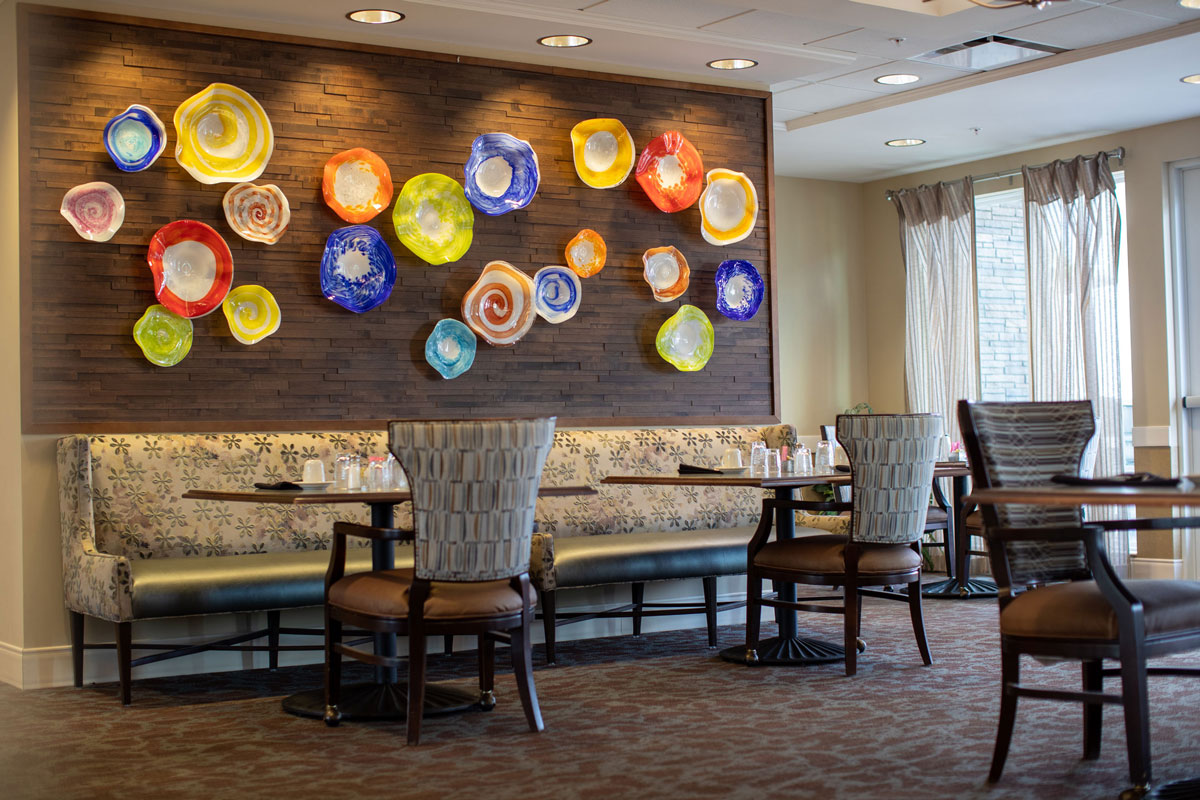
670, 172
192, 267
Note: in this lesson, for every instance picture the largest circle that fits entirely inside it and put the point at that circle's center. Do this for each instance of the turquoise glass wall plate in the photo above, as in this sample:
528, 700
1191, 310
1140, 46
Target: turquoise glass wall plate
135, 138
556, 293
739, 289
686, 339
501, 174
358, 269
450, 349
433, 218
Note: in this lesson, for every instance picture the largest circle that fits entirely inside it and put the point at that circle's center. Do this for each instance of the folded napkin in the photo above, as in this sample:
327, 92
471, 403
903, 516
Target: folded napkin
280, 485
688, 469
1126, 479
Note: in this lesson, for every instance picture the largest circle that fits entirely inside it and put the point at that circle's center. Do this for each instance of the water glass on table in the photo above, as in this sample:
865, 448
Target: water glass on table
347, 472
825, 458
804, 461
773, 464
758, 459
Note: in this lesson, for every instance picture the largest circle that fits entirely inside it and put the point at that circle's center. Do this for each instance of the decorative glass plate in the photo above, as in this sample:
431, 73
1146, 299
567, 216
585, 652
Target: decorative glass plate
499, 307
739, 289
671, 172
666, 270
501, 174
603, 152
252, 313
192, 266
358, 269
357, 185
164, 336
433, 218
686, 339
728, 207
257, 213
450, 349
95, 210
135, 138
556, 294
586, 253
222, 135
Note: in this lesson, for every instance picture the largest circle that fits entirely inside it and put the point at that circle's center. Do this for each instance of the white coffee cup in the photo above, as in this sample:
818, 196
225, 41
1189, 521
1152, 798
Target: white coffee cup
732, 458
314, 471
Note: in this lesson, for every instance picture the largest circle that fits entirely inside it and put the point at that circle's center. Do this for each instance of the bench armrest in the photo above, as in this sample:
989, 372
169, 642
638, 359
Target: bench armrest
541, 562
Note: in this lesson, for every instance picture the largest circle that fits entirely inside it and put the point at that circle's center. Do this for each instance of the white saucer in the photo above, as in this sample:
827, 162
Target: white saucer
732, 470
314, 484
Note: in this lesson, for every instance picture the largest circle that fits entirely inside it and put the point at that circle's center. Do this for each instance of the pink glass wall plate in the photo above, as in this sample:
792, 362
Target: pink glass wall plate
95, 210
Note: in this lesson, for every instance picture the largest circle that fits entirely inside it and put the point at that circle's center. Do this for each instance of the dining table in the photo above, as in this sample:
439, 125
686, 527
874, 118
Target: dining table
385, 697
789, 648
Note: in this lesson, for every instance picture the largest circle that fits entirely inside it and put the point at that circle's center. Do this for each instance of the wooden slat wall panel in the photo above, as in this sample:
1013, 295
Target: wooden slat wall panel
327, 366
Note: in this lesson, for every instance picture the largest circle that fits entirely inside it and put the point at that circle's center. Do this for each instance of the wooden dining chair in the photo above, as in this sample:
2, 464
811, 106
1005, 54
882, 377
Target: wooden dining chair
1059, 596
892, 458
474, 486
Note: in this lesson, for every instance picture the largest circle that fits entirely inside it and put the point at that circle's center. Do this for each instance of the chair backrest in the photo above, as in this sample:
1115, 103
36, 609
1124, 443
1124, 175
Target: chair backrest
1022, 444
892, 457
474, 486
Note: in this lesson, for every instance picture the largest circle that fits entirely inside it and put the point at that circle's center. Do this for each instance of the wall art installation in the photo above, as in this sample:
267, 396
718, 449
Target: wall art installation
135, 138
739, 289
586, 253
686, 339
556, 294
164, 336
357, 185
257, 213
603, 152
450, 349
666, 270
251, 312
95, 210
501, 174
728, 207
499, 307
222, 135
671, 172
433, 218
192, 267
358, 269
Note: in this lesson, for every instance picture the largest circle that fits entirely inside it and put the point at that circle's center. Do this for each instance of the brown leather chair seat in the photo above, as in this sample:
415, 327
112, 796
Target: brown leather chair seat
1077, 610
385, 594
825, 554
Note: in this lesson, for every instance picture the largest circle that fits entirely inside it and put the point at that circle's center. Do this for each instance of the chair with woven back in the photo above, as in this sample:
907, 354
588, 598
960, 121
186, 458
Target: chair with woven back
1060, 597
474, 485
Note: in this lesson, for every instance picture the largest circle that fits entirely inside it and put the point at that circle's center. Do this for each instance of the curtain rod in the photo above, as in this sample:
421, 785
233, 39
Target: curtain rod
1118, 153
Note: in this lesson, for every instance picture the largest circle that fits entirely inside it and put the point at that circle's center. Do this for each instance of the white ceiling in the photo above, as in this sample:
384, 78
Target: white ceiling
819, 58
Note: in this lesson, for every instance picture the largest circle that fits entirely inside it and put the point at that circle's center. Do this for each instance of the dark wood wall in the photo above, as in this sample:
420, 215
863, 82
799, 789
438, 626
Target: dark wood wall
327, 367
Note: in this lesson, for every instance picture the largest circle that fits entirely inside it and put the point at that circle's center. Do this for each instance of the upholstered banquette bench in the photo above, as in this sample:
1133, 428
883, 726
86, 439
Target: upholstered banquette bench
133, 549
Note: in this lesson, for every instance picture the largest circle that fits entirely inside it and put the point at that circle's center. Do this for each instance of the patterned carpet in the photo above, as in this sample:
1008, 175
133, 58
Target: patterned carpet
658, 716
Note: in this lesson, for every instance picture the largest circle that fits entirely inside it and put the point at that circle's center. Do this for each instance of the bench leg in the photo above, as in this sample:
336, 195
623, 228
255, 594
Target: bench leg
546, 599
125, 659
710, 608
273, 639
77, 647
639, 597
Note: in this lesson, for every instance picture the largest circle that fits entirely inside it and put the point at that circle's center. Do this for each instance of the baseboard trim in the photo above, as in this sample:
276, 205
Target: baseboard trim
10, 665
1155, 568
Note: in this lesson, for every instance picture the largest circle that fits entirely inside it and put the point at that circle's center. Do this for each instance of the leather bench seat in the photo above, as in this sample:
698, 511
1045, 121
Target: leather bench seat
654, 556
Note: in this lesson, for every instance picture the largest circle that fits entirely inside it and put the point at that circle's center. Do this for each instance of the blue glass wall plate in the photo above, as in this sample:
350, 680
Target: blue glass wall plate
556, 293
739, 289
358, 269
135, 138
450, 349
501, 174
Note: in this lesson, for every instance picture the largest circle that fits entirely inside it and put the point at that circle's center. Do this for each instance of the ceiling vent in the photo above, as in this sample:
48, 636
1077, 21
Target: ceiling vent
990, 52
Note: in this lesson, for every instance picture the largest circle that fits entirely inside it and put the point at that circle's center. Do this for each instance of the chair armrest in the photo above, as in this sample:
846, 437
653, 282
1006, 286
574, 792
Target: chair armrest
371, 532
1066, 533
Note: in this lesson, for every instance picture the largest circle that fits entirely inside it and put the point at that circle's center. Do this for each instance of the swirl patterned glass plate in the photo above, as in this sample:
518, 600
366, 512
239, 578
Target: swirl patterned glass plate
135, 138
670, 172
728, 207
686, 339
666, 270
501, 174
450, 349
222, 135
252, 313
358, 269
95, 210
164, 336
499, 307
192, 267
433, 218
556, 294
603, 152
739, 289
257, 213
357, 185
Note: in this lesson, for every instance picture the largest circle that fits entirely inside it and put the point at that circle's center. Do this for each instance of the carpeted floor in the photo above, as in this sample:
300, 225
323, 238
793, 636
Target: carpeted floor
658, 716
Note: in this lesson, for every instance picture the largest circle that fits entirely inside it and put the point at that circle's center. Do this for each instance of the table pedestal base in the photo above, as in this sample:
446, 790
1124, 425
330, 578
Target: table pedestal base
382, 701
787, 651
953, 589
1186, 789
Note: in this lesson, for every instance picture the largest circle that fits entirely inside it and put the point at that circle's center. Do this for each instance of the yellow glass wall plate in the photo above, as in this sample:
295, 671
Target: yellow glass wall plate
686, 339
164, 336
728, 207
433, 218
222, 135
604, 152
252, 313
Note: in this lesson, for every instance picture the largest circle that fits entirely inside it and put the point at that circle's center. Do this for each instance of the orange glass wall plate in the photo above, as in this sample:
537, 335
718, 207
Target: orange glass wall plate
671, 172
603, 152
357, 185
586, 253
666, 270
728, 207
499, 307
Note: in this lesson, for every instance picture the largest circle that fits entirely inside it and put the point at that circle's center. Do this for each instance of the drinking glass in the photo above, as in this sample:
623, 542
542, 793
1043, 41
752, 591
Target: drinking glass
804, 461
399, 479
378, 479
824, 460
774, 465
758, 458
341, 471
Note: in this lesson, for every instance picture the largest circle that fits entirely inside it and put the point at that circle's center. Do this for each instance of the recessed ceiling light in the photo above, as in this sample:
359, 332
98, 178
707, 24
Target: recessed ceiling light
375, 16
733, 63
564, 40
898, 79
1190, 3
1191, 79
904, 142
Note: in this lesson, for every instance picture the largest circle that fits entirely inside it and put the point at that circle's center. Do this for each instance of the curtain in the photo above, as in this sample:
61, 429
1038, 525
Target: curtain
937, 234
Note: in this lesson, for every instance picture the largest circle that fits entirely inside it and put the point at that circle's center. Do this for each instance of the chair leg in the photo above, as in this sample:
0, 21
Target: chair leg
710, 608
273, 640
1093, 713
522, 658
77, 647
639, 596
546, 600
333, 671
448, 644
754, 586
487, 671
918, 620
416, 684
1137, 710
1010, 675
124, 660
850, 611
